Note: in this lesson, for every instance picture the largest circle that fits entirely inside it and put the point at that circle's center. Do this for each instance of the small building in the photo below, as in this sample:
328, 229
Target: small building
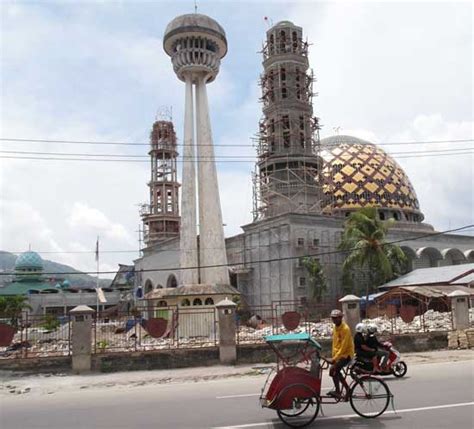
421, 290
190, 308
50, 295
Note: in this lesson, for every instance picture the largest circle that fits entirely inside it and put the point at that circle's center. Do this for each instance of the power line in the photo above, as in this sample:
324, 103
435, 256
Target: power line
39, 158
20, 152
169, 249
117, 143
434, 234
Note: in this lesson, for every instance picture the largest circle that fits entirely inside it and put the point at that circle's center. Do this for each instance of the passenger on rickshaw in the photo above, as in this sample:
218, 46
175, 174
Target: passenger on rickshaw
380, 352
342, 350
362, 350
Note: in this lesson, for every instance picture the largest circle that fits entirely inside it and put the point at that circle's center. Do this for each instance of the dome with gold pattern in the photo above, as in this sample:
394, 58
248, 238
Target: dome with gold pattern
357, 174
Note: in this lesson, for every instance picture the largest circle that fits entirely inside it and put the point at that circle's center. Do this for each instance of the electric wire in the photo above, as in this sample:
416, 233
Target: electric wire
18, 152
288, 258
88, 142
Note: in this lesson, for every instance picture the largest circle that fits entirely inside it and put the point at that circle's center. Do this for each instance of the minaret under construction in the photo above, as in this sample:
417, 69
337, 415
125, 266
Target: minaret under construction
161, 220
288, 168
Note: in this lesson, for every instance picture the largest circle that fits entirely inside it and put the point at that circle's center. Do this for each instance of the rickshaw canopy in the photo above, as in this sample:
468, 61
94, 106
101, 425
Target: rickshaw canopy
302, 336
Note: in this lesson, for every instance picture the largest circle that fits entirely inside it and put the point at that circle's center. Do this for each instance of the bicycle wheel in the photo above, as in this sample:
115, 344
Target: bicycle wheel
369, 397
400, 369
303, 410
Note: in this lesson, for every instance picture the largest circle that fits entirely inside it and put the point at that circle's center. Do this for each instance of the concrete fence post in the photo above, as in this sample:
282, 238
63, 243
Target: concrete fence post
81, 338
460, 309
351, 310
227, 330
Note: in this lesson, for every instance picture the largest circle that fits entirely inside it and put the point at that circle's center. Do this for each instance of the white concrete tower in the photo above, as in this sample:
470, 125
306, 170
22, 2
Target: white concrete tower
196, 44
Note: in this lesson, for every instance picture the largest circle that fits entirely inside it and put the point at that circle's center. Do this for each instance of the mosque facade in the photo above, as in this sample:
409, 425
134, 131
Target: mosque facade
304, 190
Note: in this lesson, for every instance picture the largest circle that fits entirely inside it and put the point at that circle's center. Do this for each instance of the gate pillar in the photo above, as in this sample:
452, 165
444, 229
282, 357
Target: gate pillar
351, 310
81, 338
460, 309
227, 330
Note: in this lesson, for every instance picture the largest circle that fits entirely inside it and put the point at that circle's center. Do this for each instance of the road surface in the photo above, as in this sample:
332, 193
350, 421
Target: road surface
432, 395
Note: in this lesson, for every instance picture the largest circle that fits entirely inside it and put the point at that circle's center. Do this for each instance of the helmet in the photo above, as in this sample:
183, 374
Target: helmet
372, 329
336, 313
360, 327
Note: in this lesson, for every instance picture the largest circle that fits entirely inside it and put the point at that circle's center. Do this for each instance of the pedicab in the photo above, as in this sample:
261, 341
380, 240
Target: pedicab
293, 387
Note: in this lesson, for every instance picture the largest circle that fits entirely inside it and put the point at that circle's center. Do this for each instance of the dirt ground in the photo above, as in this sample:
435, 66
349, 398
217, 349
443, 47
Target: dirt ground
15, 383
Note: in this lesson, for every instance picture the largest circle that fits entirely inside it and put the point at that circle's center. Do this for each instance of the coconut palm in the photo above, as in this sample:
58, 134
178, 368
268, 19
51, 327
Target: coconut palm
317, 280
364, 240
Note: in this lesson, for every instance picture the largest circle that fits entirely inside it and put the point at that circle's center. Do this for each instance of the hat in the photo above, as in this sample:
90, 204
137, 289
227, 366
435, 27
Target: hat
336, 313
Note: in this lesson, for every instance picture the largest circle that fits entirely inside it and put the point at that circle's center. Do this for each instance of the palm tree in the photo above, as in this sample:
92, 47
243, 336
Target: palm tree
364, 240
317, 279
11, 307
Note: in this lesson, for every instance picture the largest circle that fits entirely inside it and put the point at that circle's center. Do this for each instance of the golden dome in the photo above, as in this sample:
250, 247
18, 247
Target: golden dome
357, 174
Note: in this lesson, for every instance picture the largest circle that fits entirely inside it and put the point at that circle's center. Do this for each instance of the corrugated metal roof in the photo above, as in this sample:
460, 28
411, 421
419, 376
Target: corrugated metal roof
464, 280
22, 288
436, 275
436, 291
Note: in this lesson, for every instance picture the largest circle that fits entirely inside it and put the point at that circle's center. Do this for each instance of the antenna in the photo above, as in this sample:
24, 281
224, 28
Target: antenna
195, 6
337, 129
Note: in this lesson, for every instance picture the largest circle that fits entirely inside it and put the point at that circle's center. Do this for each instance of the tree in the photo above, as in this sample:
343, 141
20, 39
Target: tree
364, 241
11, 307
317, 280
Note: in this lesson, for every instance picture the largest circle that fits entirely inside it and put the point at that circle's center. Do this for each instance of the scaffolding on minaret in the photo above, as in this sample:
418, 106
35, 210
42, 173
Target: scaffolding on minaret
161, 219
287, 175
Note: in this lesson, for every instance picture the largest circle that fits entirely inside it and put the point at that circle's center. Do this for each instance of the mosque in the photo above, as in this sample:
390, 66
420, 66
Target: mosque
52, 295
304, 188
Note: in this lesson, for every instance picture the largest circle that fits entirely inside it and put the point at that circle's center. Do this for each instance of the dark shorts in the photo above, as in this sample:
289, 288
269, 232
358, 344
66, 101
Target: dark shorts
337, 366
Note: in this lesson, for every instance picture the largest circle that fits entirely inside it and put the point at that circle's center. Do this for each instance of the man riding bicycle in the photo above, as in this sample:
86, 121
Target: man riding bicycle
342, 350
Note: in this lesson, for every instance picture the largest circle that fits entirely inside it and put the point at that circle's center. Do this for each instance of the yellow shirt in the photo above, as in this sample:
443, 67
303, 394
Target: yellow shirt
342, 342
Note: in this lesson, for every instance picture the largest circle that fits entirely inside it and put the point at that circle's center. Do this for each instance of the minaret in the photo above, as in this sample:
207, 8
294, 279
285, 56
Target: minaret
161, 217
196, 44
288, 168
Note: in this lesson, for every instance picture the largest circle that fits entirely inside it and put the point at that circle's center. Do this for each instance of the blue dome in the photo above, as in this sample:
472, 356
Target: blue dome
29, 260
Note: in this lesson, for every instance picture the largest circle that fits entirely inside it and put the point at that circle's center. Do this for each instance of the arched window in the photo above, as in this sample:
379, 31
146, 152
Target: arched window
282, 41
148, 286
209, 301
197, 301
171, 282
294, 37
162, 303
185, 302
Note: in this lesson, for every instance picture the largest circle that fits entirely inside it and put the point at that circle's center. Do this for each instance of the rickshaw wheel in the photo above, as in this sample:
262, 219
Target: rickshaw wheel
303, 410
400, 369
369, 397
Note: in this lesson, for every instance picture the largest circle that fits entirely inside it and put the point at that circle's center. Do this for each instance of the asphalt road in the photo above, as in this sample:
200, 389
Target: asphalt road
438, 395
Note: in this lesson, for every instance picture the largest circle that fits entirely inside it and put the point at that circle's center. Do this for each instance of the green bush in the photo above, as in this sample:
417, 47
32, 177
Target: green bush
50, 322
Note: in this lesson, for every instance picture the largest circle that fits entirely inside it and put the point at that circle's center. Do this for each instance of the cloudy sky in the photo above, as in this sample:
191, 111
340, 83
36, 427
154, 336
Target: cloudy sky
96, 71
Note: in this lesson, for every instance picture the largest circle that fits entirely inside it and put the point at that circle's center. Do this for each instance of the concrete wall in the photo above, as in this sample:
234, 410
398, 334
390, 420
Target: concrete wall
168, 359
167, 256
66, 300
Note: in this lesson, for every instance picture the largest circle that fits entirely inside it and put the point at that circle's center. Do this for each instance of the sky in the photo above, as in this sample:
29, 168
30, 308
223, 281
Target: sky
96, 71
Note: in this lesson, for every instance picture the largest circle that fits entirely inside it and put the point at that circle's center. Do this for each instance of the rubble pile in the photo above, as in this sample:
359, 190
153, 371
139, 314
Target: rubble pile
431, 321
114, 336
